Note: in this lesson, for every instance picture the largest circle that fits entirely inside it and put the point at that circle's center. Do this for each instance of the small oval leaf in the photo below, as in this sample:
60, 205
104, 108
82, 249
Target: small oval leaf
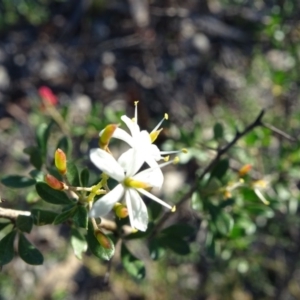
28, 252
78, 243
50, 195
132, 264
17, 181
7, 248
24, 223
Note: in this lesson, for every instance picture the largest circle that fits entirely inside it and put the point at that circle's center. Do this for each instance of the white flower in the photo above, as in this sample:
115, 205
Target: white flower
131, 185
142, 141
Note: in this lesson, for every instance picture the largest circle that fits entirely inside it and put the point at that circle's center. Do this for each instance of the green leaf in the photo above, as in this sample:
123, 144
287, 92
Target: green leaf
42, 136
28, 252
80, 217
179, 230
65, 215
24, 223
50, 195
35, 156
78, 243
65, 144
156, 250
84, 177
218, 131
37, 175
132, 264
72, 174
96, 248
224, 223
17, 181
220, 169
3, 225
43, 217
7, 248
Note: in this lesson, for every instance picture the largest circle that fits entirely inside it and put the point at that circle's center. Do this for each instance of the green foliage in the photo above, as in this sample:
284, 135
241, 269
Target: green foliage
7, 248
28, 252
132, 264
43, 217
80, 216
24, 223
78, 242
17, 181
50, 195
95, 247
65, 215
72, 174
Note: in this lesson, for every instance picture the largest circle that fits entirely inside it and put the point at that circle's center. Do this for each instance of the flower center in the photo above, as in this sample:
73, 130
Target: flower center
132, 183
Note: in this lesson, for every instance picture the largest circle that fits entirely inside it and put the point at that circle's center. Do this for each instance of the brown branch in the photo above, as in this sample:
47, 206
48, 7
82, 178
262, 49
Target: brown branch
12, 214
279, 132
256, 123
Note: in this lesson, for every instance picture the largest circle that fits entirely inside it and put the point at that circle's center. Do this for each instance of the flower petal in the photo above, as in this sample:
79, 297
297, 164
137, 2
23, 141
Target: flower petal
105, 162
138, 213
124, 136
132, 126
152, 176
104, 205
151, 196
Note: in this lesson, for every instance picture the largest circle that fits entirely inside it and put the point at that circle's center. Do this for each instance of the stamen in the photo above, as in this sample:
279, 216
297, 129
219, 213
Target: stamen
176, 160
184, 150
173, 209
154, 135
167, 158
135, 111
166, 116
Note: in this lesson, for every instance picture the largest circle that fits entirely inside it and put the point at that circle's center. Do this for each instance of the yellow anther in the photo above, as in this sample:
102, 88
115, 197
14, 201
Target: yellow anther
173, 209
136, 103
241, 180
176, 160
166, 116
166, 158
184, 150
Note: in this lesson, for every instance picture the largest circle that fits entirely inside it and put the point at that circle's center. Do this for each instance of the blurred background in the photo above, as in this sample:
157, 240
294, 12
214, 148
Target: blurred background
204, 62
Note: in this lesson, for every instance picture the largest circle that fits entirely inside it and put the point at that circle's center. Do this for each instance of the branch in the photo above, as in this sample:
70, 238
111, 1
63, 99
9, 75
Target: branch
12, 214
279, 132
256, 123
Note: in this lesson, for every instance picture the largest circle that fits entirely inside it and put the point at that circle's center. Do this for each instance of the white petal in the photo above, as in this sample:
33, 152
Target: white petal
123, 135
105, 162
155, 152
137, 210
131, 161
151, 196
104, 205
153, 177
132, 126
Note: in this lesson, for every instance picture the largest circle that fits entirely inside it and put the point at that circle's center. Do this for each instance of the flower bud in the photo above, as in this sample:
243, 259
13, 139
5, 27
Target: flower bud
102, 239
106, 135
121, 210
60, 161
54, 183
47, 96
245, 170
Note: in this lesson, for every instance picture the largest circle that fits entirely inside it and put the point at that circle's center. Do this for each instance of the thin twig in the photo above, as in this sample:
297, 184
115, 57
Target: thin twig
280, 132
257, 122
12, 214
